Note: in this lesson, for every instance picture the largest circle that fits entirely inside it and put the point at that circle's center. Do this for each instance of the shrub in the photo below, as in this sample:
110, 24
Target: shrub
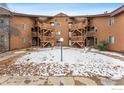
28, 49
102, 45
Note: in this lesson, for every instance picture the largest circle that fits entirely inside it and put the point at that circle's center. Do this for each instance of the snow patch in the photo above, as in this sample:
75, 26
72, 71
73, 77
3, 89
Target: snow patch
78, 62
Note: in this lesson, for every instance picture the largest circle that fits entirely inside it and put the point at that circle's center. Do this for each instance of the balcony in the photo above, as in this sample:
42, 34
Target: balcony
46, 26
77, 38
91, 33
76, 26
47, 39
34, 34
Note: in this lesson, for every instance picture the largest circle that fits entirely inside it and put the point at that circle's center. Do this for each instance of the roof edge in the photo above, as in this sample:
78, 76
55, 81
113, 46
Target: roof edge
117, 11
113, 13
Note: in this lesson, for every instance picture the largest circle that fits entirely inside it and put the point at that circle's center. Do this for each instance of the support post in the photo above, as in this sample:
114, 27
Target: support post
60, 40
61, 52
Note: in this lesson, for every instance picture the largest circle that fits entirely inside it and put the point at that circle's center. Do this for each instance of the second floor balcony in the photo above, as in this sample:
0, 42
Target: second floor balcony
77, 38
77, 26
34, 34
47, 39
91, 33
46, 26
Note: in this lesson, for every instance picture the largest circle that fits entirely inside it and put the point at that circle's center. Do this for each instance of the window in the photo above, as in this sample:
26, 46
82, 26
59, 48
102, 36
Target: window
1, 21
111, 39
24, 26
2, 39
24, 40
52, 23
70, 34
95, 29
57, 24
111, 21
58, 33
70, 24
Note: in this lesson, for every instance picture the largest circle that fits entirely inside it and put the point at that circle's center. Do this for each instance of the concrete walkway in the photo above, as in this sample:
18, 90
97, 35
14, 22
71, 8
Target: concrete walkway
9, 57
41, 80
110, 55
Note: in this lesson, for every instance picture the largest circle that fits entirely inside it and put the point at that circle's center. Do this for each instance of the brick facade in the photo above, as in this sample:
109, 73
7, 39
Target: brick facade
22, 31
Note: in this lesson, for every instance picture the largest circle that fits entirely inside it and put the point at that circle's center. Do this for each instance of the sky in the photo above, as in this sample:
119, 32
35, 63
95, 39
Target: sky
71, 9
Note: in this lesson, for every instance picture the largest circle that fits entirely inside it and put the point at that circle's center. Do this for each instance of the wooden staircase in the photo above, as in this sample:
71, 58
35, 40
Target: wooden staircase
46, 36
77, 35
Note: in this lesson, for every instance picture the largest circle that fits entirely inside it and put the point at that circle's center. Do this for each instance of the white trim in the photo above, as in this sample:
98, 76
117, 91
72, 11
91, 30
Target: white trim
111, 39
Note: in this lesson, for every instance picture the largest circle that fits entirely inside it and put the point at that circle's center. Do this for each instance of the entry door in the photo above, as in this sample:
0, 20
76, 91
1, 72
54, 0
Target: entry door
70, 33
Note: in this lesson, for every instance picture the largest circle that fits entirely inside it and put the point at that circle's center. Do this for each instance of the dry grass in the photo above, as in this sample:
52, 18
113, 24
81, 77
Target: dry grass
8, 61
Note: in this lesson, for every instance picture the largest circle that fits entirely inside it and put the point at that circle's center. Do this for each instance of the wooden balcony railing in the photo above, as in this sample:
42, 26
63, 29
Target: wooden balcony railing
34, 34
91, 33
77, 38
77, 26
46, 26
47, 39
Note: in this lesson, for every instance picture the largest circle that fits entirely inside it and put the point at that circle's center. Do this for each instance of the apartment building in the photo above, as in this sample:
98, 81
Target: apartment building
22, 30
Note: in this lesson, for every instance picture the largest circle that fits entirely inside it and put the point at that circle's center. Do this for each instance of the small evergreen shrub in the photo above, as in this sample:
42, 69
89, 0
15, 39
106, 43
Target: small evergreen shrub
102, 45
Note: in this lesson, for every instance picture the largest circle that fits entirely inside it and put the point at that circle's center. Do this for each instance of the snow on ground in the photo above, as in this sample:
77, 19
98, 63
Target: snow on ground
107, 52
75, 61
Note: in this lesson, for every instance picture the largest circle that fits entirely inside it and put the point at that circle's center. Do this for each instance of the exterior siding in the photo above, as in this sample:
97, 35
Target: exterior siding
20, 32
116, 30
4, 33
64, 28
19, 26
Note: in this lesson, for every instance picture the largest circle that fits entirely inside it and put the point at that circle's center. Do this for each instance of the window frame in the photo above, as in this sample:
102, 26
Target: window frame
1, 21
56, 24
58, 32
24, 26
111, 39
111, 21
52, 23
